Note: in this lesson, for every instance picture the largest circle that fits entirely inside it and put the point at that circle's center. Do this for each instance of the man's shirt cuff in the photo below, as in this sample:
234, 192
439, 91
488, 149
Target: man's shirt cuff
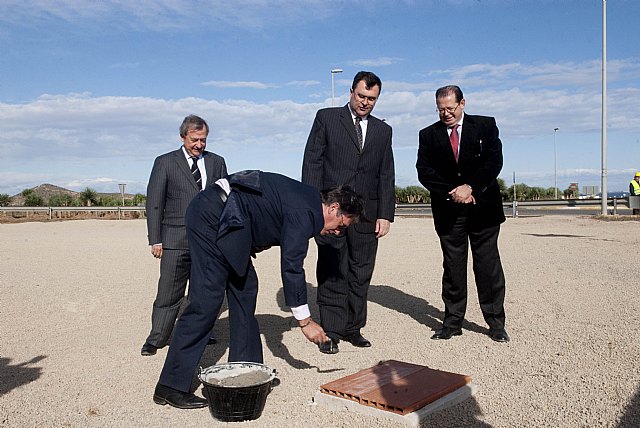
301, 312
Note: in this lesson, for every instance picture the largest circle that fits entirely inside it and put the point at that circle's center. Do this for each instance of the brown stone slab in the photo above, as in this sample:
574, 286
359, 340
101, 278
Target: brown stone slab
396, 386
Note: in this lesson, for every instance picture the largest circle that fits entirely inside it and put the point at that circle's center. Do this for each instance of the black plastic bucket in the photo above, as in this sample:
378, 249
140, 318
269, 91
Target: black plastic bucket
236, 391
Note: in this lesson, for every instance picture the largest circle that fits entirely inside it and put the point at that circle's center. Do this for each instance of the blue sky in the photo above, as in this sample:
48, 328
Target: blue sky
91, 92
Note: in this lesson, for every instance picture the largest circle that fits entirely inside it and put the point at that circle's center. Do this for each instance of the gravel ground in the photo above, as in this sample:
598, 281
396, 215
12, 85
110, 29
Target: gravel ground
76, 304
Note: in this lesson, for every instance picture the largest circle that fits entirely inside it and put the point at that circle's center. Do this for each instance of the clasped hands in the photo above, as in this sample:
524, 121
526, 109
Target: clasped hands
462, 195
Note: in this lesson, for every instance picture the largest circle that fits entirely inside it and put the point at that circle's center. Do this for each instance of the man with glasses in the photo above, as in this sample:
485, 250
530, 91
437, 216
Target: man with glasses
175, 179
347, 145
227, 223
459, 159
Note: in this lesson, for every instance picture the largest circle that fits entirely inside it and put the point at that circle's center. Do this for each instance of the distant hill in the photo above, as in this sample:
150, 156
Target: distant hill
46, 191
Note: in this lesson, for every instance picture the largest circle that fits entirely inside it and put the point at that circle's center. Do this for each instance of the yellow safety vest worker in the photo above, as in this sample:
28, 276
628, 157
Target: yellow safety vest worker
636, 187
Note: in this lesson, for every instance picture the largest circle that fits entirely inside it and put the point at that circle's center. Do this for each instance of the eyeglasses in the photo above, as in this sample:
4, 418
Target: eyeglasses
449, 110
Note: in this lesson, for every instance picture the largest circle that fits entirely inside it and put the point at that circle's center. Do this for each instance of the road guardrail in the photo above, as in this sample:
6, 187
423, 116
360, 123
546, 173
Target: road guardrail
51, 211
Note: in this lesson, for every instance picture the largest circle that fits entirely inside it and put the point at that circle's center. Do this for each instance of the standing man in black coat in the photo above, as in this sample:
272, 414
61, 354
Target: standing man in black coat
175, 179
459, 159
348, 146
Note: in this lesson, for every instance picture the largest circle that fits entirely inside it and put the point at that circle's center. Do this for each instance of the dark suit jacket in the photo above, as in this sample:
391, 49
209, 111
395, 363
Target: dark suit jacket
171, 187
266, 209
332, 157
479, 164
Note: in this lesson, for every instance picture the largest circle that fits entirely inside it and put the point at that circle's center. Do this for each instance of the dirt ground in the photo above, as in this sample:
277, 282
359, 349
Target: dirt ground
76, 305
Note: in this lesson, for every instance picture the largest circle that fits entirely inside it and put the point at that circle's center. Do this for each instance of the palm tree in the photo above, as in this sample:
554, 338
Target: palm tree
88, 196
4, 200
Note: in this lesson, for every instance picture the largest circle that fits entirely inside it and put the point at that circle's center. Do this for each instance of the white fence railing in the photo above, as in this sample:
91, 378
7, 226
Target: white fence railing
612, 203
57, 211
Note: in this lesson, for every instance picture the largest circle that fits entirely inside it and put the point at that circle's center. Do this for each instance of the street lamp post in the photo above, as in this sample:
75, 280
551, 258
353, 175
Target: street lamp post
333, 73
555, 163
603, 179
122, 186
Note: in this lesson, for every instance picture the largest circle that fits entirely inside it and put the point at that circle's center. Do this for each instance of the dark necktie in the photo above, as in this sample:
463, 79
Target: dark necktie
359, 133
195, 171
454, 139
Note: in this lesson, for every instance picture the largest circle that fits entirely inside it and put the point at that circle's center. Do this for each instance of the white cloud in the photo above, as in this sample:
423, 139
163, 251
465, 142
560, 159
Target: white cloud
93, 183
554, 75
160, 15
258, 85
237, 84
376, 62
81, 138
303, 83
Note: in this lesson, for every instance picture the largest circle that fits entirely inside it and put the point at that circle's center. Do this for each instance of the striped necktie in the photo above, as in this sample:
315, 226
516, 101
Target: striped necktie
195, 171
359, 133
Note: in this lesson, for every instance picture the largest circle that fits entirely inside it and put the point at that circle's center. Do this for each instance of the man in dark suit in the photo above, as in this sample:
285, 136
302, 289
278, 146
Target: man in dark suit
175, 179
459, 159
227, 223
348, 146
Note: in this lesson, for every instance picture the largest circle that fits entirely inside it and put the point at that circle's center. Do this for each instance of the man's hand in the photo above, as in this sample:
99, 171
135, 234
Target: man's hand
312, 331
156, 250
462, 195
382, 227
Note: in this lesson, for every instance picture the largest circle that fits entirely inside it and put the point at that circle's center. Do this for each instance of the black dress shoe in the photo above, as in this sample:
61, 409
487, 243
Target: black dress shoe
182, 400
499, 335
447, 333
148, 349
329, 347
356, 339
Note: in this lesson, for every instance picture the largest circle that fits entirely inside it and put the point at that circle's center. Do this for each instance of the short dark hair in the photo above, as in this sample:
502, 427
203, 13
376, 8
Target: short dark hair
445, 91
192, 122
370, 80
350, 202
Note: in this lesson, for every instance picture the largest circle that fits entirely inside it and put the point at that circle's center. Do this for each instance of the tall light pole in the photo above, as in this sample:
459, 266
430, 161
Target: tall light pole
555, 163
605, 192
333, 73
122, 186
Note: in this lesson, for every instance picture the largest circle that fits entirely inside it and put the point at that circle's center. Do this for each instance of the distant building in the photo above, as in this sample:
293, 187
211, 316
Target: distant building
590, 190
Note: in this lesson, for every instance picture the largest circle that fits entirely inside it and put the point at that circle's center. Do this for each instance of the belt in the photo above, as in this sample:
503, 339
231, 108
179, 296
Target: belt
221, 193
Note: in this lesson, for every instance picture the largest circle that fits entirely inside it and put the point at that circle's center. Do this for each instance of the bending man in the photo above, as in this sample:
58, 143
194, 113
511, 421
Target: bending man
226, 223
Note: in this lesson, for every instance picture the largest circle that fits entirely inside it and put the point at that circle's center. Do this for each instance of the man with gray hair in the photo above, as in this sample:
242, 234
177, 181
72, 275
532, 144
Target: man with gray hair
175, 179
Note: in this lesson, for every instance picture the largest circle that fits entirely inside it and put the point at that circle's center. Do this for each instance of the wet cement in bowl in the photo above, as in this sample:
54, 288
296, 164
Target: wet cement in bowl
238, 377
